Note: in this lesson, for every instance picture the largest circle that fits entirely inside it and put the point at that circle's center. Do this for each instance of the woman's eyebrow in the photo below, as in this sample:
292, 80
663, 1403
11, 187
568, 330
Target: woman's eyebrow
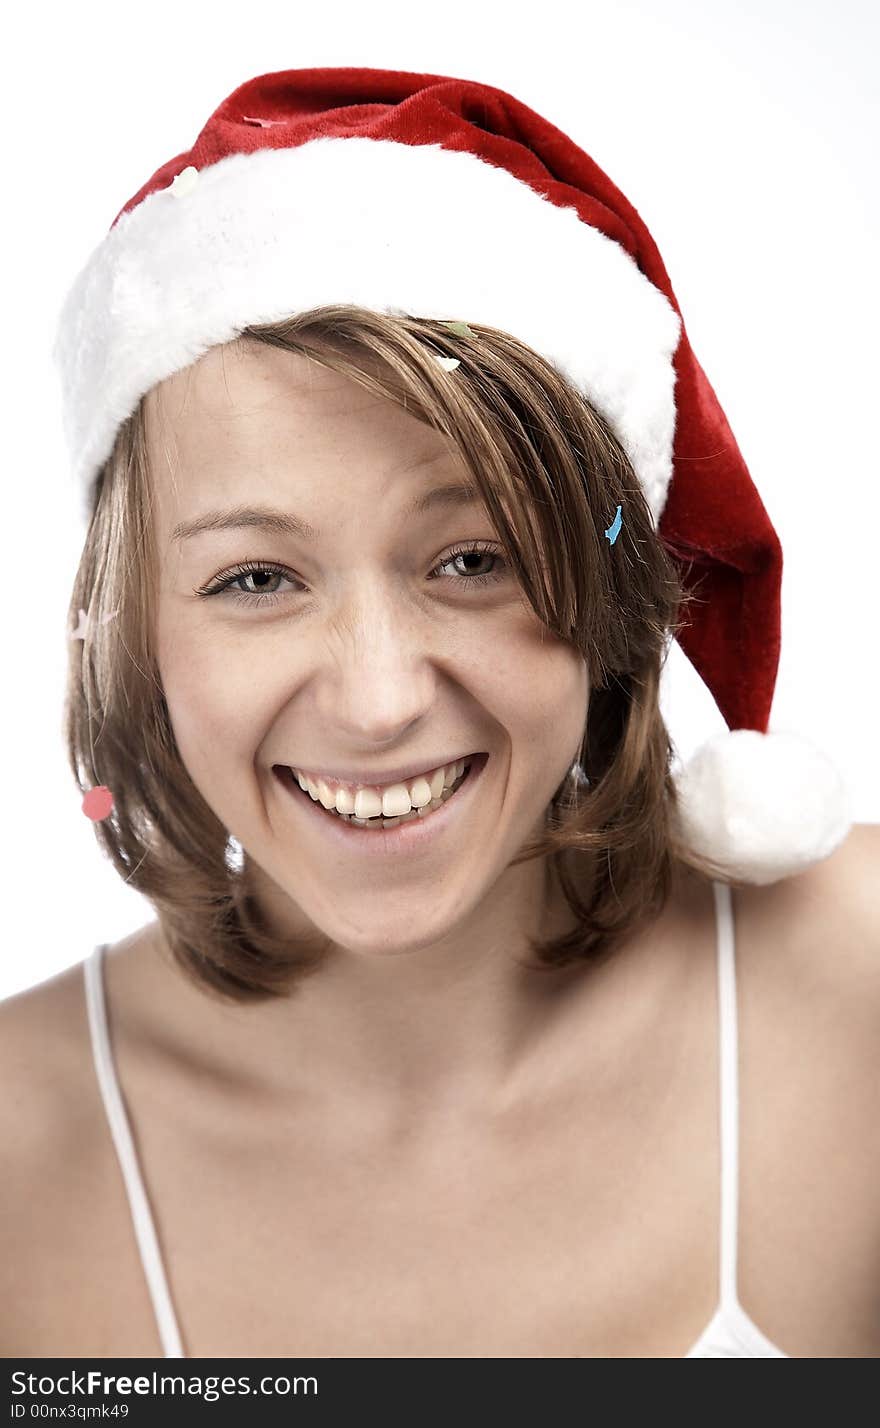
278, 522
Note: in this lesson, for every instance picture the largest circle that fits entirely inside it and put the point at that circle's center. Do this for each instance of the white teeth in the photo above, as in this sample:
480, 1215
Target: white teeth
367, 810
325, 794
367, 803
341, 800
395, 801
418, 797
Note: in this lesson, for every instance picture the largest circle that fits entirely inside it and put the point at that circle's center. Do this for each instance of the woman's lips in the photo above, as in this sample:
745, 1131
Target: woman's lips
415, 833
387, 780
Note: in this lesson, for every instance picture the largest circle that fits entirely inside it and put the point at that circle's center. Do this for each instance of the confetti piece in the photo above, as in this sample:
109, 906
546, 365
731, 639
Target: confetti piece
263, 123
613, 530
97, 804
450, 363
461, 328
184, 182
82, 628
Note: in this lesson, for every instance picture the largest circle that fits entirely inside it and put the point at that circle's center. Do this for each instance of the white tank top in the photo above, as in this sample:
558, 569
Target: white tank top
730, 1333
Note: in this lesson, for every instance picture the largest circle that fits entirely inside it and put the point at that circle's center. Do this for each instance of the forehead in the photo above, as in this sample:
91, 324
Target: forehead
244, 384
250, 422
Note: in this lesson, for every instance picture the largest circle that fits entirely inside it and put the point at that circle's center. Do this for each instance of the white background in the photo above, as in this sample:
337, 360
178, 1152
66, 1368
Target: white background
744, 132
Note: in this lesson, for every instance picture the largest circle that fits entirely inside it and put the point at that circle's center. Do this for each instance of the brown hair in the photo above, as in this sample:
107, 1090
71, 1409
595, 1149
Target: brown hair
551, 473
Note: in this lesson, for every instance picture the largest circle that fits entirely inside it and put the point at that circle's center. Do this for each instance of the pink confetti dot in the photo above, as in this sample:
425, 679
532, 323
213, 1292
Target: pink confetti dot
97, 804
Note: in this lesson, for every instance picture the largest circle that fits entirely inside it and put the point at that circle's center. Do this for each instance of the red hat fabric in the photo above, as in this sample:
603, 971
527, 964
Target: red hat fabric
453, 200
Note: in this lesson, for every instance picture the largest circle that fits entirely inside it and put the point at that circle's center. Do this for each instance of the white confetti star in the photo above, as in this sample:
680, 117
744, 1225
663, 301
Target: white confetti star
82, 628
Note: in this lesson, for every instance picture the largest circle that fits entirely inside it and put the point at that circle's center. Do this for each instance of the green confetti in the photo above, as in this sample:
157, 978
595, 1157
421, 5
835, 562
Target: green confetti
461, 329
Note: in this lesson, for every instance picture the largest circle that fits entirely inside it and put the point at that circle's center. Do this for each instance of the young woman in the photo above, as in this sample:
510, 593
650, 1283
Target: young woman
446, 1039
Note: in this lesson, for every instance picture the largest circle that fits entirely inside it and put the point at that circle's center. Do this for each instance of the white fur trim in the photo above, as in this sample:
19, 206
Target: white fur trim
766, 806
435, 232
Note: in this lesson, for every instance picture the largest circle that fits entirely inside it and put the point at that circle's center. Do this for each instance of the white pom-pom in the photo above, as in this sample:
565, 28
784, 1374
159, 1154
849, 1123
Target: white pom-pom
766, 806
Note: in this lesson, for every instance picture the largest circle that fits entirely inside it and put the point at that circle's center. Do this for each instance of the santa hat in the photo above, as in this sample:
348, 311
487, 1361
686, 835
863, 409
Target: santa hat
446, 198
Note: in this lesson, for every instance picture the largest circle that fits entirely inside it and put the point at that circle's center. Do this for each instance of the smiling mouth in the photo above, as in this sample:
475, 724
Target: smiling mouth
380, 821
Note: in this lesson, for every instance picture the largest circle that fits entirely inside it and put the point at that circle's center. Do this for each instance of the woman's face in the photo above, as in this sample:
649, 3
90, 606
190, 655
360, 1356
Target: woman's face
368, 653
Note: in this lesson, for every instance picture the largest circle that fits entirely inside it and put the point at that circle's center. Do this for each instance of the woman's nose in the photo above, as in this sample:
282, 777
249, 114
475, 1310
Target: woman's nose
380, 679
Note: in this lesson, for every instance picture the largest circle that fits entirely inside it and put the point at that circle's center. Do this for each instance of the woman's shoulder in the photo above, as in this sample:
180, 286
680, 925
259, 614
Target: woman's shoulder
808, 988
823, 925
41, 1044
45, 1047
55, 1164
808, 1007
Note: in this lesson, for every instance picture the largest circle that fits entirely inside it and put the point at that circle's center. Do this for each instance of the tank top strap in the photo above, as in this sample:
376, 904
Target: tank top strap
729, 1092
114, 1106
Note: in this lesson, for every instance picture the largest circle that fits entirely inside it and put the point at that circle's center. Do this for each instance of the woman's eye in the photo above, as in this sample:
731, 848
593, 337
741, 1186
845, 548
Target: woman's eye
478, 553
252, 570
257, 570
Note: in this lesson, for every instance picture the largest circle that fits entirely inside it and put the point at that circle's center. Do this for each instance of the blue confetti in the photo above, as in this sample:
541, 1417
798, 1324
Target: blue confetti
613, 530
